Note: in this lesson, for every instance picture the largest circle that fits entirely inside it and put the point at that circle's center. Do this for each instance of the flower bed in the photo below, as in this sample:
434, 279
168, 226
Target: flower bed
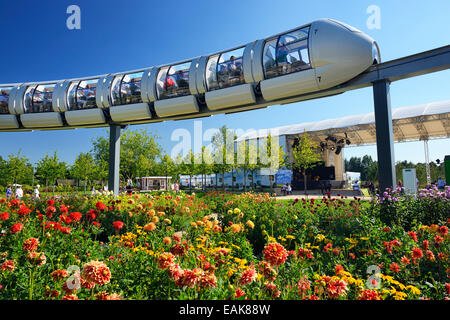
225, 246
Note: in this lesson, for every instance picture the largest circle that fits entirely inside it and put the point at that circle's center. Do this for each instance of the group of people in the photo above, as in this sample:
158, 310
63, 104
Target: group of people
286, 189
18, 194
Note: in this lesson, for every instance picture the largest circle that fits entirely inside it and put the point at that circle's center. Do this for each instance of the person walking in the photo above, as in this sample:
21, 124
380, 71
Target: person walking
9, 192
176, 187
36, 192
19, 192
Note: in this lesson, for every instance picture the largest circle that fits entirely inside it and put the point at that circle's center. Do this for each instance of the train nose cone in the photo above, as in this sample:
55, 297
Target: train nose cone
375, 53
339, 52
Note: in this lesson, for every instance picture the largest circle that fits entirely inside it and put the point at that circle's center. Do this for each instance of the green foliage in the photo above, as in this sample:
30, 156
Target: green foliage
49, 168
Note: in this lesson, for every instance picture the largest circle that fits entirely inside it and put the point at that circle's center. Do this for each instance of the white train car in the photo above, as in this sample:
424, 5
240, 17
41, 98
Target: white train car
310, 58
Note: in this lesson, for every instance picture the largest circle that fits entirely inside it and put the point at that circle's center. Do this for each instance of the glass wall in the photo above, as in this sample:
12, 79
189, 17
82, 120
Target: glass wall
225, 70
173, 81
126, 89
39, 98
81, 94
4, 99
286, 53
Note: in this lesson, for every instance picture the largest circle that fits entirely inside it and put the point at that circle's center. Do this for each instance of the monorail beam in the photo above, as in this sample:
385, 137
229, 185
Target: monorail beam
114, 158
384, 135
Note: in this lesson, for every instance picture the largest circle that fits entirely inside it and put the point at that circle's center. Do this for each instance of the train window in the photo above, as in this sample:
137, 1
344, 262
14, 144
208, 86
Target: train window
286, 54
211, 72
131, 88
115, 90
81, 94
174, 81
39, 98
4, 99
225, 70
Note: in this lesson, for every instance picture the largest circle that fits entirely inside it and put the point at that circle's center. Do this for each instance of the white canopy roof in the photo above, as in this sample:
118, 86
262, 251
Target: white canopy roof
427, 121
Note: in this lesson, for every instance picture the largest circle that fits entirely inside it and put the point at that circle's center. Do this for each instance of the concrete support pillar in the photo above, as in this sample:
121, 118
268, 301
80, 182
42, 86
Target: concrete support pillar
114, 159
384, 135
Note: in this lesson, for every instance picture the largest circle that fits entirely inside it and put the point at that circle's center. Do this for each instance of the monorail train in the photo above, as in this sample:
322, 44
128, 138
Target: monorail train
314, 57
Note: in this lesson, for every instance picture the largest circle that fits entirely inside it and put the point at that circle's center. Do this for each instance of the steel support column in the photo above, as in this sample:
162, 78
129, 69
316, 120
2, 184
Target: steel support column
114, 158
384, 134
427, 161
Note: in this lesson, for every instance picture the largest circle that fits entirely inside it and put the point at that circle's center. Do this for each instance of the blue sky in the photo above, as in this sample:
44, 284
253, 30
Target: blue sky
125, 35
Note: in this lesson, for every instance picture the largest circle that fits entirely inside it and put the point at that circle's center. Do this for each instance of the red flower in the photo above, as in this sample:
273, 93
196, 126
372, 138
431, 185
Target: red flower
394, 267
275, 254
59, 274
75, 216
165, 260
438, 240
405, 260
37, 258
117, 225
447, 288
96, 272
443, 230
16, 227
178, 250
239, 293
23, 210
30, 244
248, 276
208, 280
417, 253
413, 235
8, 265
100, 206
95, 223
4, 216
66, 230
92, 214
63, 209
425, 244
369, 295
338, 268
50, 202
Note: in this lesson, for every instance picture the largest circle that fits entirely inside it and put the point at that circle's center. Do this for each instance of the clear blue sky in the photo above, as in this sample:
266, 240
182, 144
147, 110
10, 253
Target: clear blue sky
125, 35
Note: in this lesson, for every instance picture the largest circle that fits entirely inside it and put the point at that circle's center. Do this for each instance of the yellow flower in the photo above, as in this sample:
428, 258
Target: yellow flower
400, 295
413, 290
364, 238
236, 210
290, 237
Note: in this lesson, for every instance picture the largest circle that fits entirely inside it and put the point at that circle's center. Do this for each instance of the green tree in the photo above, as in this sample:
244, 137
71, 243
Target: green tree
272, 156
139, 151
167, 167
17, 169
84, 168
223, 150
306, 155
49, 168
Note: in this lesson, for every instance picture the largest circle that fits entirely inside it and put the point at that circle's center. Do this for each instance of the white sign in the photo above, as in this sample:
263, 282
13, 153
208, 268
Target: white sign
409, 180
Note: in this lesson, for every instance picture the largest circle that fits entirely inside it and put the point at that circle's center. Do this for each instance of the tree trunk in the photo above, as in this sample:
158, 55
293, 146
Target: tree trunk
245, 180
223, 180
304, 179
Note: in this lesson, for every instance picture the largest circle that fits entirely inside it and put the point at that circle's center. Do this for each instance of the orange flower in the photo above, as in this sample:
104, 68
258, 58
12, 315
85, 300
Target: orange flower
167, 240
165, 260
248, 276
150, 226
275, 253
96, 272
30, 244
